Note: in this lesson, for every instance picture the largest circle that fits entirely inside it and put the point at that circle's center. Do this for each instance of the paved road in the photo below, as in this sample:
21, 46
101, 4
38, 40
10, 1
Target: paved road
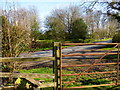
64, 51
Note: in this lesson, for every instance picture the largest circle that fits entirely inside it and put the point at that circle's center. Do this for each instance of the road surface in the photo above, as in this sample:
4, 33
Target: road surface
70, 60
48, 53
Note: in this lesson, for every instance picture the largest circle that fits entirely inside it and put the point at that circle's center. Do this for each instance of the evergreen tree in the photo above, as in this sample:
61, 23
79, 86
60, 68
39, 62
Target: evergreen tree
79, 29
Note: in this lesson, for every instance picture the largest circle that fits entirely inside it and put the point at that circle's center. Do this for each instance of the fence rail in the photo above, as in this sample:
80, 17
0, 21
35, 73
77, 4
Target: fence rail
89, 66
26, 75
84, 65
90, 73
113, 84
24, 59
82, 44
88, 54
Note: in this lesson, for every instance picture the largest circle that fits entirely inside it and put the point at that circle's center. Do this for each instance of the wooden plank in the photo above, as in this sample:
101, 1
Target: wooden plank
90, 86
34, 82
90, 73
80, 44
8, 88
42, 85
48, 84
84, 65
26, 75
24, 59
88, 54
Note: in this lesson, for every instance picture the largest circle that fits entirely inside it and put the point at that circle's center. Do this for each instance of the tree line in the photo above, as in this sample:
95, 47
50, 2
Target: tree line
76, 22
65, 24
20, 27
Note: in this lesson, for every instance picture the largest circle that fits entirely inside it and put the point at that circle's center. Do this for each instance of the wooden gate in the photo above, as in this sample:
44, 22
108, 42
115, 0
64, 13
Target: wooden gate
59, 65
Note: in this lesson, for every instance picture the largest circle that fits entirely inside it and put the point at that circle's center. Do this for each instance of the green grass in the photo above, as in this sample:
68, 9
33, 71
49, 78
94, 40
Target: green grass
108, 48
82, 81
44, 40
39, 49
102, 39
44, 70
44, 79
112, 57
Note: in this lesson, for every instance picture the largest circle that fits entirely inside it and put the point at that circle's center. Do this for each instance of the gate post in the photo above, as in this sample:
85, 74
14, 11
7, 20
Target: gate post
56, 65
118, 64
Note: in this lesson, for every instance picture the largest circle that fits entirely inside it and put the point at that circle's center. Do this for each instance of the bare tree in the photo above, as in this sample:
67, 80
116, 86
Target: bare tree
34, 24
19, 28
90, 21
15, 33
0, 33
111, 27
100, 25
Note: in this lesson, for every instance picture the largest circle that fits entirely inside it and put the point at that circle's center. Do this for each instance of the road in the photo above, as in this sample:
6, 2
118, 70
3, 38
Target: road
70, 60
48, 53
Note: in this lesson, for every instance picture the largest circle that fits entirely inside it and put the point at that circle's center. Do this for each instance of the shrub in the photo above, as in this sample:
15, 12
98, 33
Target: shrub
77, 40
87, 40
42, 44
116, 38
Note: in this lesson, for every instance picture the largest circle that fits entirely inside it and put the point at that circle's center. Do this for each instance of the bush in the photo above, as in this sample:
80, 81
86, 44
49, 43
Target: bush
116, 38
87, 40
77, 40
42, 44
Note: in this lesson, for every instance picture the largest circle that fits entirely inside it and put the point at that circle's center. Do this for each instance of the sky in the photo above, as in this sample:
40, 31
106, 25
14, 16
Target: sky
44, 7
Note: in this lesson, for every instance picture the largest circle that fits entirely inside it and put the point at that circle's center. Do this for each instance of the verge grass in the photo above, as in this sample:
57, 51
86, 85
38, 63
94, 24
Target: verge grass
83, 80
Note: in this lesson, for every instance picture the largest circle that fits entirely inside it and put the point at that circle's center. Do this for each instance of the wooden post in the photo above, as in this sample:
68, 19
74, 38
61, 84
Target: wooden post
57, 55
60, 61
118, 64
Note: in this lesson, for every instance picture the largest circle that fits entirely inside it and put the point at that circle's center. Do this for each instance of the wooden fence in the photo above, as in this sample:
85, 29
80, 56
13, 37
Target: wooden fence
28, 76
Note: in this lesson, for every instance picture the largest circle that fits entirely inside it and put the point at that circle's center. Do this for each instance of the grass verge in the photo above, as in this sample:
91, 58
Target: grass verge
82, 81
